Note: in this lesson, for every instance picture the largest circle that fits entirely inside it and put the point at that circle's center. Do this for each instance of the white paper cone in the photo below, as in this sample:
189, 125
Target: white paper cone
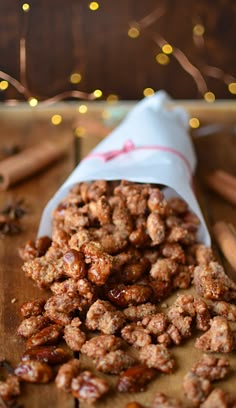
163, 153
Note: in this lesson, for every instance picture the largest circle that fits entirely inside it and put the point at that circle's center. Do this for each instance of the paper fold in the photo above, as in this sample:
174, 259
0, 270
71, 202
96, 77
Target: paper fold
150, 124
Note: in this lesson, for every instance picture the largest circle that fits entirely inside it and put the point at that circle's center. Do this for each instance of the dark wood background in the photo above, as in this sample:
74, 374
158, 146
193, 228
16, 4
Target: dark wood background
64, 36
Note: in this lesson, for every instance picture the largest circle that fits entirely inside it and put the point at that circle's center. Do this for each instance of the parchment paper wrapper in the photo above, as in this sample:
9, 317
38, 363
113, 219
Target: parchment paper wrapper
150, 124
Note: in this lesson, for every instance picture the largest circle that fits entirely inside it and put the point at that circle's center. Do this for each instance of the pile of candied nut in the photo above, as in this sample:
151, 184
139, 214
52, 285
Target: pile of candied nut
118, 250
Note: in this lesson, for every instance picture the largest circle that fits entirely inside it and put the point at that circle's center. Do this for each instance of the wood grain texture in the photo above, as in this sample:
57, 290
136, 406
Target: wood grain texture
65, 37
26, 127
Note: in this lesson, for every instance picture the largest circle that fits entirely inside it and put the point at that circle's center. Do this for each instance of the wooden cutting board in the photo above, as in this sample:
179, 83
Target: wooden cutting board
25, 127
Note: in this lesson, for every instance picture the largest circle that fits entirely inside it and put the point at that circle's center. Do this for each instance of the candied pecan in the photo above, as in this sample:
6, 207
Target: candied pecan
122, 219
160, 289
66, 286
219, 338
178, 205
66, 373
59, 307
202, 315
126, 295
74, 337
164, 339
136, 335
219, 399
132, 272
88, 387
54, 252
32, 325
111, 240
75, 219
99, 346
196, 388
114, 362
100, 262
79, 238
135, 195
74, 264
162, 401
157, 356
152, 254
86, 290
43, 272
102, 315
10, 388
103, 211
35, 249
155, 324
48, 335
225, 309
156, 201
203, 254
135, 313
182, 279
174, 334
32, 308
155, 228
34, 372
211, 282
135, 378
96, 189
139, 237
47, 354
211, 367
173, 251
179, 234
163, 269
181, 314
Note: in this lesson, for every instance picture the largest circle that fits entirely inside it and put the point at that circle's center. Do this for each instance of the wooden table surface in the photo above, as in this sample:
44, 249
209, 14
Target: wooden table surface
25, 127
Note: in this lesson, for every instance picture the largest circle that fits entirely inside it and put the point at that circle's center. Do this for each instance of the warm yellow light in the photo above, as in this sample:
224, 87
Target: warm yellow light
3, 85
162, 59
97, 93
112, 98
209, 97
25, 7
75, 78
133, 32
56, 119
148, 92
232, 87
82, 109
167, 49
198, 30
33, 102
80, 131
93, 5
194, 123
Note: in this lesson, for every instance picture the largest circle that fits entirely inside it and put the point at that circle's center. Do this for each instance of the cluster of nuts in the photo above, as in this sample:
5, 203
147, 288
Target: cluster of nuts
118, 250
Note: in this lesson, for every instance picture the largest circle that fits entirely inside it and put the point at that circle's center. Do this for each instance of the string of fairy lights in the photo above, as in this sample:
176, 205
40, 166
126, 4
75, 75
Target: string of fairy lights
166, 53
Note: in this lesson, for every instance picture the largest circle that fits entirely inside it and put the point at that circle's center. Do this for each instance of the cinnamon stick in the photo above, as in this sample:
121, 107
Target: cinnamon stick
223, 183
28, 162
225, 235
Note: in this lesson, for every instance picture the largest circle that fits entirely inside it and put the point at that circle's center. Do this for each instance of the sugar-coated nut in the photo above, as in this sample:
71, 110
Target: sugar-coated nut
32, 308
135, 379
196, 388
32, 325
74, 264
114, 362
88, 387
157, 356
9, 389
162, 401
34, 372
48, 335
47, 354
219, 338
126, 295
66, 373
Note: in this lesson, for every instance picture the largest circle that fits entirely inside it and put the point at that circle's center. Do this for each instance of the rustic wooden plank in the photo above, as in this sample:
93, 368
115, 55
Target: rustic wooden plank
35, 192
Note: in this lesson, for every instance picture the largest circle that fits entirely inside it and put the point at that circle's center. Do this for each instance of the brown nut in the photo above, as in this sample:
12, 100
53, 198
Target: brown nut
48, 335
51, 355
135, 378
32, 308
123, 296
34, 372
87, 387
74, 264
